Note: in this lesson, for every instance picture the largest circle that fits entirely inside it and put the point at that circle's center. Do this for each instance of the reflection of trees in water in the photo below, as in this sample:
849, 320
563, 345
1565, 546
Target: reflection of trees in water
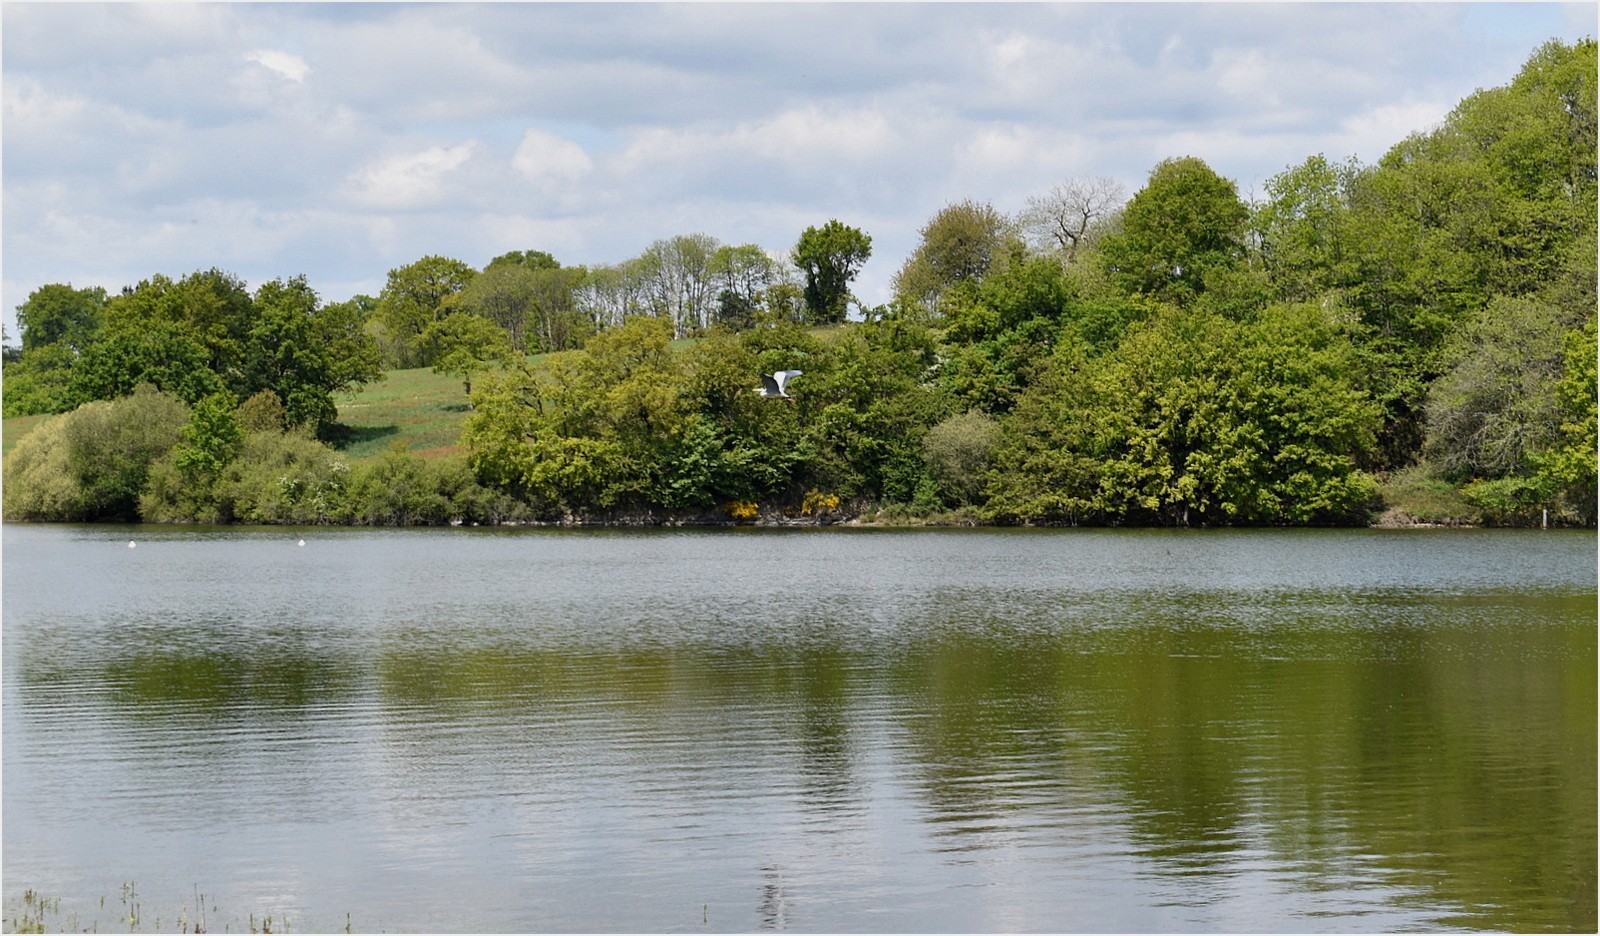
1453, 759
1451, 762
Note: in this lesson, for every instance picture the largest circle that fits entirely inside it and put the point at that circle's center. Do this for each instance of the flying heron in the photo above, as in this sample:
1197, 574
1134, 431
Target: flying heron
773, 385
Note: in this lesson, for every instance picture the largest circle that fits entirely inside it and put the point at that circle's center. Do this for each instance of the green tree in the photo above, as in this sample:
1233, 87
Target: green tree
160, 354
958, 245
463, 345
415, 296
829, 257
304, 352
524, 259
1568, 467
534, 300
1497, 404
58, 314
211, 439
1302, 226
209, 309
110, 446
40, 381
1186, 222
1193, 418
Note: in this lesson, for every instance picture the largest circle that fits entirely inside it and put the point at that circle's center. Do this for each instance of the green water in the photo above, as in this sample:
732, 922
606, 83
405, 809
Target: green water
811, 730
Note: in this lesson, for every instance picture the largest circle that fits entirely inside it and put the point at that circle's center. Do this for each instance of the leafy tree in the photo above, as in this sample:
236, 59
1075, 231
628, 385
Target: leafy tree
210, 310
58, 314
305, 352
183, 486
211, 439
463, 345
160, 354
39, 484
1568, 467
1302, 227
415, 296
868, 401
400, 489
284, 477
263, 412
1185, 222
829, 257
958, 245
745, 277
92, 463
40, 381
1497, 404
1191, 419
534, 300
524, 259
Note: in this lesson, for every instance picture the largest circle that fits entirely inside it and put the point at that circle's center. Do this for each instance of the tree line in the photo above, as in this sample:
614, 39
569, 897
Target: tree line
1360, 335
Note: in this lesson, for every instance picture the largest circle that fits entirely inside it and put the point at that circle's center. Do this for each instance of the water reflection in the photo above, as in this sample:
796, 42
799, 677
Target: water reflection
903, 753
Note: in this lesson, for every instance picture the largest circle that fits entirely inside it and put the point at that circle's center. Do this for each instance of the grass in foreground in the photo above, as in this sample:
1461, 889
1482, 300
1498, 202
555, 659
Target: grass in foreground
33, 913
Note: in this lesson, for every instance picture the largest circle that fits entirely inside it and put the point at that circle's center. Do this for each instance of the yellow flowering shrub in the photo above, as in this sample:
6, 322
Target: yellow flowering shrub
741, 510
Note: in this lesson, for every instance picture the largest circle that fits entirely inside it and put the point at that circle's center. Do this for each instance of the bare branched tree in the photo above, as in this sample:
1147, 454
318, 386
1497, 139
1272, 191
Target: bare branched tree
1063, 218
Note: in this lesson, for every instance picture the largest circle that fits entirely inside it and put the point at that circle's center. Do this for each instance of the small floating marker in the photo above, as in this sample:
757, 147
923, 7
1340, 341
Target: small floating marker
132, 544
301, 543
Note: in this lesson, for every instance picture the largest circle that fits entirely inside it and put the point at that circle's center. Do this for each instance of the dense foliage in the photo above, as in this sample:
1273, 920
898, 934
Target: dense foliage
1415, 333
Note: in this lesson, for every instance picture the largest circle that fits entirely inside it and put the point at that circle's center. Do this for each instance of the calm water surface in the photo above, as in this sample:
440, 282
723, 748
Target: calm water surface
812, 730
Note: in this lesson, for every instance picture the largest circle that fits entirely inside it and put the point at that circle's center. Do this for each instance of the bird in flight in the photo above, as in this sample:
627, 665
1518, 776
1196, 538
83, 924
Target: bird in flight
774, 385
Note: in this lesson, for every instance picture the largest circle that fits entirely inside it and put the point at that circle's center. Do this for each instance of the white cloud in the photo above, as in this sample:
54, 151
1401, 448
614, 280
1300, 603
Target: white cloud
414, 180
292, 67
199, 138
547, 159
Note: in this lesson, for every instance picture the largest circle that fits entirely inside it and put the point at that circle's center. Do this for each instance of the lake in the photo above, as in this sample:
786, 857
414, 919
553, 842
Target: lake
814, 730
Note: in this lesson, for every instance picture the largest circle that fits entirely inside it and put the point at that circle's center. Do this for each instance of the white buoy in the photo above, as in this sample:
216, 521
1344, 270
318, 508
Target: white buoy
301, 543
131, 544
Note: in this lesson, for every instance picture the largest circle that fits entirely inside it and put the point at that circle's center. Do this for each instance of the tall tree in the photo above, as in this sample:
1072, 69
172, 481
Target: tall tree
1303, 225
304, 352
958, 245
830, 257
211, 308
463, 345
1185, 222
58, 314
415, 296
678, 280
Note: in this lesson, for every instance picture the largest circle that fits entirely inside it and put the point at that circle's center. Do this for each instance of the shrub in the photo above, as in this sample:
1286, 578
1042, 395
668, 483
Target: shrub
38, 482
741, 511
957, 452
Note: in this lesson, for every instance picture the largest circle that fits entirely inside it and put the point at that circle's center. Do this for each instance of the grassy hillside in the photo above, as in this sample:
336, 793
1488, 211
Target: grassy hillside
422, 410
417, 408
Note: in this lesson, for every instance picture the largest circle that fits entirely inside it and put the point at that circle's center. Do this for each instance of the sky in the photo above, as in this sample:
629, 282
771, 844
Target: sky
340, 141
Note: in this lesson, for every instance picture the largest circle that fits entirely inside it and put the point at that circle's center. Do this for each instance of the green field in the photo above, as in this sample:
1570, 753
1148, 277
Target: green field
417, 408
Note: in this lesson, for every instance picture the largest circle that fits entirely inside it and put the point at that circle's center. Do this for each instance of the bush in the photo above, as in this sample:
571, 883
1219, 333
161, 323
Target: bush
92, 463
285, 477
957, 452
38, 482
400, 489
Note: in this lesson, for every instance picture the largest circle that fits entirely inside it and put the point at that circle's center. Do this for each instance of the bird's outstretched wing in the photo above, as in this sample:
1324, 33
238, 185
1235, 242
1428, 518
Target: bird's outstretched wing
783, 378
770, 385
